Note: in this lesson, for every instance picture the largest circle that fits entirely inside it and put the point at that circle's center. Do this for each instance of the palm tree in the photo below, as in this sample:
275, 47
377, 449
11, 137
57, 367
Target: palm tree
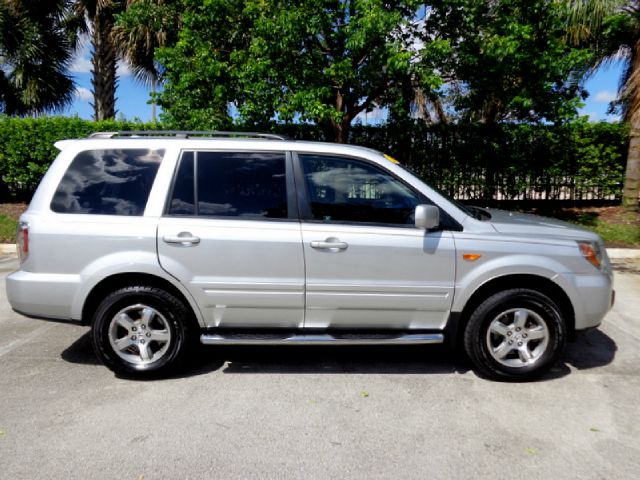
100, 18
143, 27
36, 46
612, 28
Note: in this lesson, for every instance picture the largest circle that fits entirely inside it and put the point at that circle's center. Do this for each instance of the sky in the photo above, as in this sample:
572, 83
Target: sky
132, 96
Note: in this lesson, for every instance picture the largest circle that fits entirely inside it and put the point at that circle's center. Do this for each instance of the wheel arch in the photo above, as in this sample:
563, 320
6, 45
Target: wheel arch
508, 282
121, 280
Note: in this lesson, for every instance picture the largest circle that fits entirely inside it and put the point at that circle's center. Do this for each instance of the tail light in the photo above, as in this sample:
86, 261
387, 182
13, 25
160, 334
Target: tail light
22, 241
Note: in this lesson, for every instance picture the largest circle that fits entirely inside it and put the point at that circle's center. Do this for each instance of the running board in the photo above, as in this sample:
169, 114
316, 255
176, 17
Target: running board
322, 339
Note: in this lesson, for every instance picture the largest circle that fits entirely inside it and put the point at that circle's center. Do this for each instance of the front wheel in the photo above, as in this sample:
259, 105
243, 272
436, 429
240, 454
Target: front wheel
516, 334
140, 330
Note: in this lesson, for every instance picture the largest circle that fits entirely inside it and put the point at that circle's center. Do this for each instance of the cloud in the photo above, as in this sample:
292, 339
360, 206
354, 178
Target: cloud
80, 65
123, 69
81, 61
83, 94
605, 96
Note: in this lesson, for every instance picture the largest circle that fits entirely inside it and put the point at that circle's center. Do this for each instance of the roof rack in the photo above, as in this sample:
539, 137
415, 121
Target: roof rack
187, 134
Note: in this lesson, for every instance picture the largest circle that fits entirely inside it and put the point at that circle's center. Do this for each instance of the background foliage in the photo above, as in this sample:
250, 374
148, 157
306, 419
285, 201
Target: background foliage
576, 161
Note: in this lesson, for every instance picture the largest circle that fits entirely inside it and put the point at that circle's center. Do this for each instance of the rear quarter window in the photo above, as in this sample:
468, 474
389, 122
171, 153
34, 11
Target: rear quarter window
108, 182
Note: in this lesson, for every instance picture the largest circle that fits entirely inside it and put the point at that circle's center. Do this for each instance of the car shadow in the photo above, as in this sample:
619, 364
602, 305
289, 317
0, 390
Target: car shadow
343, 359
80, 351
589, 350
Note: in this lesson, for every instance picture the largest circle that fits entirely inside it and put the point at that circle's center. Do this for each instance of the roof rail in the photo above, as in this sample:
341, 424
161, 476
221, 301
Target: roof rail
186, 134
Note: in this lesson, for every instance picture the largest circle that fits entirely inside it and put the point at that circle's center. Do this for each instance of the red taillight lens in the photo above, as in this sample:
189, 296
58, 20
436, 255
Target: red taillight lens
22, 241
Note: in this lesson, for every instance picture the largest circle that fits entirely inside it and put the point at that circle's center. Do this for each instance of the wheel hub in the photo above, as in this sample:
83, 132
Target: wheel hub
517, 337
139, 334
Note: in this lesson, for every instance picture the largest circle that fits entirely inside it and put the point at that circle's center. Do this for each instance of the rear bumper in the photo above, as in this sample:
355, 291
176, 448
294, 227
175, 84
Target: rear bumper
42, 295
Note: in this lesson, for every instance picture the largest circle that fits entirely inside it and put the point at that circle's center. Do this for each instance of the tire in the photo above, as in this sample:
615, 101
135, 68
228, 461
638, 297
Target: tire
141, 331
515, 335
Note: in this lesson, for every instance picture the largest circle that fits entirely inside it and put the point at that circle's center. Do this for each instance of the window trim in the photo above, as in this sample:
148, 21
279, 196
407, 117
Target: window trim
447, 222
292, 204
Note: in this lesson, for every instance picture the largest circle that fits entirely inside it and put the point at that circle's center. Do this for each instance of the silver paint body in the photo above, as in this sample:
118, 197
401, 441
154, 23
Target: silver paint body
258, 274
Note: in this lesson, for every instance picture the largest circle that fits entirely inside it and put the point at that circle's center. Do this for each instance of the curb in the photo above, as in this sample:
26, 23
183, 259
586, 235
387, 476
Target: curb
617, 253
8, 249
614, 253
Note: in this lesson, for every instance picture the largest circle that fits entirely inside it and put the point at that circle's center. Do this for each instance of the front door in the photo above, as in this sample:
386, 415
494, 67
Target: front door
367, 265
231, 235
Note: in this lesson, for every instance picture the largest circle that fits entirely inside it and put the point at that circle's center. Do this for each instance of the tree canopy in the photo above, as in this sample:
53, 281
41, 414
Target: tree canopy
36, 48
327, 61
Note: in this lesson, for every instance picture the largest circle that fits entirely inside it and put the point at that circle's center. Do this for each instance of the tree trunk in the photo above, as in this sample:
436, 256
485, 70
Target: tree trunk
341, 130
631, 187
104, 66
154, 118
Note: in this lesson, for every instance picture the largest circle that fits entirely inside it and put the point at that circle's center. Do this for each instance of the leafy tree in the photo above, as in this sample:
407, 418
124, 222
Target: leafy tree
612, 29
198, 69
504, 60
316, 60
36, 44
322, 60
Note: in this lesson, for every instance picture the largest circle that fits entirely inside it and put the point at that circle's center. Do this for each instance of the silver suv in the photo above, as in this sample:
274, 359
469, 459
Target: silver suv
160, 240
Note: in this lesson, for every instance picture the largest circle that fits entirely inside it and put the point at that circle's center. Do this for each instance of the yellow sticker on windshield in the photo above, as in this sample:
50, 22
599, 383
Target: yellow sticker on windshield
391, 159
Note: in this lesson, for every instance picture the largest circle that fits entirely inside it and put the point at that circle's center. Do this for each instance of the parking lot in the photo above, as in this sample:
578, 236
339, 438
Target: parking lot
318, 412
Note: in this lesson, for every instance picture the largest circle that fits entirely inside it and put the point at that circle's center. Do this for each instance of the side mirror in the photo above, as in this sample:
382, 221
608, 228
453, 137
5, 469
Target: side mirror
427, 217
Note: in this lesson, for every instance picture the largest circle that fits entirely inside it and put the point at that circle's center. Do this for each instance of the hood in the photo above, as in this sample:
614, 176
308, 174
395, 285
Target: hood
528, 225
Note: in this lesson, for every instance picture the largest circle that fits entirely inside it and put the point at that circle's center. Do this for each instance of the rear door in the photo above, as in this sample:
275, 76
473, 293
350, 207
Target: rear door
230, 233
367, 265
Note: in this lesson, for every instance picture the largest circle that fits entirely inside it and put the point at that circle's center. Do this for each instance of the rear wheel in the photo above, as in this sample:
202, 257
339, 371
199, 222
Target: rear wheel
141, 330
517, 334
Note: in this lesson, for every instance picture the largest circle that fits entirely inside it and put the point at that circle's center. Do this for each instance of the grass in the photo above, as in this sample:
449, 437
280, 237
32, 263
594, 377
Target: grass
7, 229
616, 226
615, 234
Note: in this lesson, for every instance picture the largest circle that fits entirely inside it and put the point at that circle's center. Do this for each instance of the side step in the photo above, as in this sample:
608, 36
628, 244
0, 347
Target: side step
321, 339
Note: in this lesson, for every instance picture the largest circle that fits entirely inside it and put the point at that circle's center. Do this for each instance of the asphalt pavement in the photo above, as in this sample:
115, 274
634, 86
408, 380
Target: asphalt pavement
319, 412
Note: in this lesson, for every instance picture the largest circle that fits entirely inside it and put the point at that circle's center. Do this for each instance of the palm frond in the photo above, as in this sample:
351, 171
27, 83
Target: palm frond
585, 17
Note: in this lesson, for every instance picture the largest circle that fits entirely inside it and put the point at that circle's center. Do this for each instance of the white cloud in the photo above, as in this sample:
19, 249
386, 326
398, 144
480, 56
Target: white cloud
80, 65
81, 61
605, 96
83, 94
123, 69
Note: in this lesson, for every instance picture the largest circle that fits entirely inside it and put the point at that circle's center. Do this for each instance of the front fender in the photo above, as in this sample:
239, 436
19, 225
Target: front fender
470, 279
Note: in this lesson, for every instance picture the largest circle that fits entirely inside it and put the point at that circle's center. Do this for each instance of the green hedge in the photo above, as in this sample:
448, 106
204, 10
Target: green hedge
579, 161
27, 147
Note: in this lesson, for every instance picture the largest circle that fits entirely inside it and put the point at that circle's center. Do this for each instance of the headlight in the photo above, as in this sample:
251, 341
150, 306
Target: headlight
591, 252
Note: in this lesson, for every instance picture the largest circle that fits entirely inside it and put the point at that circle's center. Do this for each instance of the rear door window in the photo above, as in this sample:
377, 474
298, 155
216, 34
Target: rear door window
108, 182
246, 185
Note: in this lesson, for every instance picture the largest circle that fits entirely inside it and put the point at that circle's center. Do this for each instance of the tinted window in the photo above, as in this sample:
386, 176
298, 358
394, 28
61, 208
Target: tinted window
230, 184
108, 182
183, 195
348, 190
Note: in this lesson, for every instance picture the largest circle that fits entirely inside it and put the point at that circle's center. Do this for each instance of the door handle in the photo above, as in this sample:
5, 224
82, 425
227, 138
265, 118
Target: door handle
329, 244
183, 238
